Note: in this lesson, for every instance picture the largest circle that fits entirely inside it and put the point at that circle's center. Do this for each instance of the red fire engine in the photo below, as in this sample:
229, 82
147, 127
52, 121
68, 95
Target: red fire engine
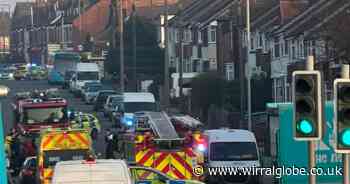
156, 140
34, 111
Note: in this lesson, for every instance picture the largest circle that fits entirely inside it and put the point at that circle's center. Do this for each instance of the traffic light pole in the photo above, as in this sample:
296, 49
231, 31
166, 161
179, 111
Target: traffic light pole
346, 177
312, 159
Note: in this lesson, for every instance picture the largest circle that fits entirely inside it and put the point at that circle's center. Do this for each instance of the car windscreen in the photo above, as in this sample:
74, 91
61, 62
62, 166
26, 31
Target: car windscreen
117, 99
233, 151
103, 96
87, 76
94, 88
44, 115
53, 156
68, 75
131, 107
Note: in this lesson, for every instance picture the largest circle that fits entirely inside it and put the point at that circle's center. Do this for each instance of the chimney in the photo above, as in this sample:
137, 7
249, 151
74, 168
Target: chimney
291, 8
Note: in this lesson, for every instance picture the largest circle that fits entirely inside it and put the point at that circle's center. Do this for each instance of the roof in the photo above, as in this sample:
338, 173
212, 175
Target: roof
268, 19
87, 67
326, 12
100, 172
187, 15
139, 97
230, 135
304, 16
187, 120
21, 16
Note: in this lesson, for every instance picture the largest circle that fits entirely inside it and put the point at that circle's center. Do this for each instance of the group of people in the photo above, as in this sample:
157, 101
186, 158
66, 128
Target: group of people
18, 148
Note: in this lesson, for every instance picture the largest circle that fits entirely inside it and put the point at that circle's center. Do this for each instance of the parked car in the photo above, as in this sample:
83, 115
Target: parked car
79, 93
101, 98
110, 105
6, 74
67, 76
90, 93
28, 171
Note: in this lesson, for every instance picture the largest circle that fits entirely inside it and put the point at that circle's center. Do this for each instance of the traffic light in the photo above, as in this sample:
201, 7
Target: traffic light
342, 114
307, 119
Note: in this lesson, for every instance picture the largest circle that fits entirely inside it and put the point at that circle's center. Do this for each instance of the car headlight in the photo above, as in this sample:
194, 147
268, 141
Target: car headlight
11, 74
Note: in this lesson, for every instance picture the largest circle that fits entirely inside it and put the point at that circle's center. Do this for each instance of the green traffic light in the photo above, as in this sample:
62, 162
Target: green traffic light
305, 127
345, 137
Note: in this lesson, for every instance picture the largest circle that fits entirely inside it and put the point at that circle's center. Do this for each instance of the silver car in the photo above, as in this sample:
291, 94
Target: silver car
90, 93
110, 105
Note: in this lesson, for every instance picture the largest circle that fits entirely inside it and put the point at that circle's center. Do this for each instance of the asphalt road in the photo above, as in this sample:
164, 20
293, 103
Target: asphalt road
74, 103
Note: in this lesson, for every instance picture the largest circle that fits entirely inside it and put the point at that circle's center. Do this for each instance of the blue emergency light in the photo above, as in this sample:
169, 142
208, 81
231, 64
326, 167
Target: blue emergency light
128, 120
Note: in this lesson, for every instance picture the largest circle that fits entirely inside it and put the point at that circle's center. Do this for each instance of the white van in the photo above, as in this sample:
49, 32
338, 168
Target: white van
98, 171
233, 148
134, 102
84, 72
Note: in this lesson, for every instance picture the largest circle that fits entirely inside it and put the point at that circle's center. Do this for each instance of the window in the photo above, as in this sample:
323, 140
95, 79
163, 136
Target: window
277, 48
177, 35
260, 40
145, 175
44, 115
266, 46
200, 40
212, 34
230, 72
206, 66
293, 52
286, 47
313, 52
53, 156
187, 36
305, 48
301, 50
251, 43
246, 151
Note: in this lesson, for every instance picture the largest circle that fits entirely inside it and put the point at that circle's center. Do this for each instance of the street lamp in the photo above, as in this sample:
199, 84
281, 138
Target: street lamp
249, 90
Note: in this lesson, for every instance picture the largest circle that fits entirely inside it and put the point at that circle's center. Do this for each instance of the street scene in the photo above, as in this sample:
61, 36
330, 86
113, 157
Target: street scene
174, 91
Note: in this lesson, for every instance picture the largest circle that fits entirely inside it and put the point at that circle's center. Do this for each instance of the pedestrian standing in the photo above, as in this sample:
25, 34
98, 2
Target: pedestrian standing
109, 139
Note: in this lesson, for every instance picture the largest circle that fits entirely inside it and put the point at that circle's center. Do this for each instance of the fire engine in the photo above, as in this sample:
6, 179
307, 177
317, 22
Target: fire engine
34, 111
156, 140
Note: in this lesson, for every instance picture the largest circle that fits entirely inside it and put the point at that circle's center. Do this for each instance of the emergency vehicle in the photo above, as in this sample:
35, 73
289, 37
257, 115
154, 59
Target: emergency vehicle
61, 145
34, 111
153, 141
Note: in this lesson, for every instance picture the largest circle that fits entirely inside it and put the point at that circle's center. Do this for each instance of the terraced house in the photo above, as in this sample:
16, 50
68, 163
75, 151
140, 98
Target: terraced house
292, 30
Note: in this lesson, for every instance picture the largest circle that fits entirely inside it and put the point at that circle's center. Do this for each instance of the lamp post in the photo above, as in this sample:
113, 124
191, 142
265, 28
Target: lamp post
121, 42
166, 90
249, 98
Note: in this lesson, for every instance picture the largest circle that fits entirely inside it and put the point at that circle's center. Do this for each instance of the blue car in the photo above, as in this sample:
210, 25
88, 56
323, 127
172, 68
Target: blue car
55, 77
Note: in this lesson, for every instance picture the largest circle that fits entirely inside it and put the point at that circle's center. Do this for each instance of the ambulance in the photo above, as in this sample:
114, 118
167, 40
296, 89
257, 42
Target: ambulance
60, 145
